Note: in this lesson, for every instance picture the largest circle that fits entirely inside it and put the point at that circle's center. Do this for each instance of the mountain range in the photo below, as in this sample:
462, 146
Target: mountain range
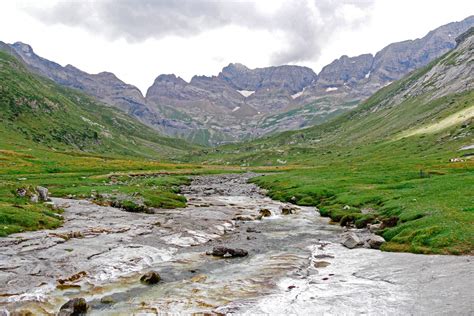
241, 103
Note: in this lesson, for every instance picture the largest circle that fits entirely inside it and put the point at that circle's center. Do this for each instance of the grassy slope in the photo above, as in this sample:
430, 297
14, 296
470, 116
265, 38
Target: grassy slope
37, 110
359, 160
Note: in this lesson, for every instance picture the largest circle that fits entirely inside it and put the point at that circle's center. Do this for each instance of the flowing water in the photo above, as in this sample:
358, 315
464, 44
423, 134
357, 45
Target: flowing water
295, 263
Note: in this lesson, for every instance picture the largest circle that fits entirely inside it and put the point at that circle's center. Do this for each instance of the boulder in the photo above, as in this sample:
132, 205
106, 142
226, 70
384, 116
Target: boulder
42, 193
351, 240
375, 241
74, 307
265, 212
225, 252
150, 278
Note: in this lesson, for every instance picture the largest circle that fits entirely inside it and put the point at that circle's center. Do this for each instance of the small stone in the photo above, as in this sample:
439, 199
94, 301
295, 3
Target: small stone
245, 218
74, 307
346, 207
291, 287
150, 278
375, 241
374, 227
265, 212
43, 193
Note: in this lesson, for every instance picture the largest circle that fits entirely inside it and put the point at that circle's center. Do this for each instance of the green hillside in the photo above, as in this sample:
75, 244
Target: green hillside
38, 113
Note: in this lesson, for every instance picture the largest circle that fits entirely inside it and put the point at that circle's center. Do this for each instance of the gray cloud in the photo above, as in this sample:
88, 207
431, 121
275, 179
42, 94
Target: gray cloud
305, 24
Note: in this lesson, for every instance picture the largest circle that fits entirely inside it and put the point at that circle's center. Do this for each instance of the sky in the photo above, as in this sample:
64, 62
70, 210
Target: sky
140, 39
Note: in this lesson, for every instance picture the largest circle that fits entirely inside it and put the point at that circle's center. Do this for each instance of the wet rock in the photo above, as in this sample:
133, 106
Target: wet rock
252, 230
150, 278
287, 210
225, 252
243, 218
265, 212
21, 192
375, 241
351, 241
374, 227
74, 307
42, 193
107, 300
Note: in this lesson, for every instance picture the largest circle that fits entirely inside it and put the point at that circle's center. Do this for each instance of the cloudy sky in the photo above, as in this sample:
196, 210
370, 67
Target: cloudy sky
139, 39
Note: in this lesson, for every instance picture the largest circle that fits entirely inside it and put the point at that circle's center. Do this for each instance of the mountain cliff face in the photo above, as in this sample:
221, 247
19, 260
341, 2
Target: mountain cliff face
241, 103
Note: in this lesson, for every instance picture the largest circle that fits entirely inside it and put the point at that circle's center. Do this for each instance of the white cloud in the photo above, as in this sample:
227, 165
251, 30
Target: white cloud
310, 33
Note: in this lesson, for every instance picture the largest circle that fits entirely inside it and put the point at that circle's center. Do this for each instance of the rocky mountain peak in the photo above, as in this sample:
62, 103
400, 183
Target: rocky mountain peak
25, 48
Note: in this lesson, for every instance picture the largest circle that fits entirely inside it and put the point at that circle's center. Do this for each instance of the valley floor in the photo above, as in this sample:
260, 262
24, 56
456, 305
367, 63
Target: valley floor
295, 263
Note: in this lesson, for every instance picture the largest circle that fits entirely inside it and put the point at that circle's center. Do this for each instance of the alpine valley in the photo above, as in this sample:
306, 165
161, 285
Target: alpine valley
260, 191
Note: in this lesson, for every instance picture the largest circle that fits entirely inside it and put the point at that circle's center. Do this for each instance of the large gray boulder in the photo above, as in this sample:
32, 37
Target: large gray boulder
351, 241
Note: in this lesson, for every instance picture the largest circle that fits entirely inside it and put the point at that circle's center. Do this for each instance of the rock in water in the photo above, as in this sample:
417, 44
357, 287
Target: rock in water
150, 278
286, 210
228, 252
375, 241
351, 241
265, 212
74, 307
43, 193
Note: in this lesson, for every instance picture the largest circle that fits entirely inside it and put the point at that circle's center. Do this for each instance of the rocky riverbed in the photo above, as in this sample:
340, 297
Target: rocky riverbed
290, 264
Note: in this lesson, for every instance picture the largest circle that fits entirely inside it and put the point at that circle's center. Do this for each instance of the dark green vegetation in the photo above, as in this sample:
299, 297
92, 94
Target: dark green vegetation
374, 164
